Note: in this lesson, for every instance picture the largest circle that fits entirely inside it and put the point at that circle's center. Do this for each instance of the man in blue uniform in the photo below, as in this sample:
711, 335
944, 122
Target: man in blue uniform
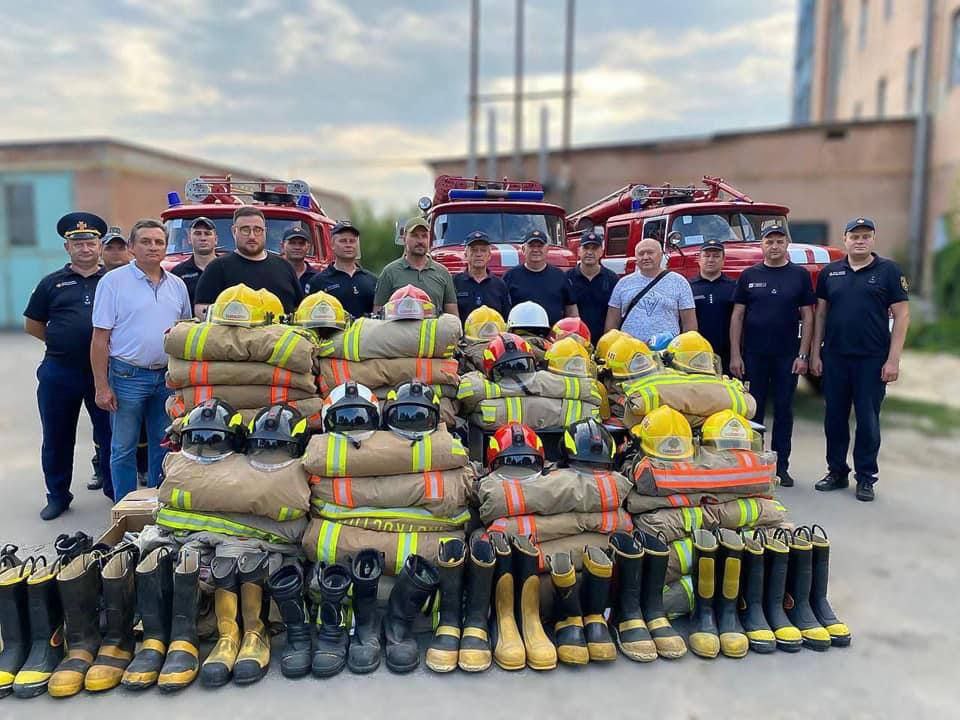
592, 284
713, 295
60, 315
539, 282
772, 300
295, 246
475, 286
855, 298
344, 278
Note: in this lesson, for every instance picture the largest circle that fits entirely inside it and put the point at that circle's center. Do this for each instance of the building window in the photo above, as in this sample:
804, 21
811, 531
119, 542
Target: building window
881, 97
910, 103
864, 21
887, 9
20, 214
955, 51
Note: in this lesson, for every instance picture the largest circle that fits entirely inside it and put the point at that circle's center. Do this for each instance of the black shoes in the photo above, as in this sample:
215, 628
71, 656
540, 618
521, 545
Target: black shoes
832, 481
96, 482
54, 509
785, 479
865, 491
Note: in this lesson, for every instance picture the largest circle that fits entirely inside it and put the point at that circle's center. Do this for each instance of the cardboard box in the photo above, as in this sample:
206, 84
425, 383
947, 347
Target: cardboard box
138, 508
114, 533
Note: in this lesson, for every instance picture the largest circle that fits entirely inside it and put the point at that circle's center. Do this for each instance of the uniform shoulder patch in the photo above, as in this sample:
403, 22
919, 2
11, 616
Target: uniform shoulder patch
904, 284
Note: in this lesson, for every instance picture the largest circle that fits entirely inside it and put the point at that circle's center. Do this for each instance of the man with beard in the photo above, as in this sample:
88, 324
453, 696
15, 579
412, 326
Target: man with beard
353, 286
203, 240
416, 267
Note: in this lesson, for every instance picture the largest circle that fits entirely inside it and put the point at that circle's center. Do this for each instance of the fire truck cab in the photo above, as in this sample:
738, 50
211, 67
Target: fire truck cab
506, 210
285, 204
681, 219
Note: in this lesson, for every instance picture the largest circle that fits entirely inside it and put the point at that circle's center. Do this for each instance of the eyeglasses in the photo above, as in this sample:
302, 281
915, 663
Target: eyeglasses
248, 230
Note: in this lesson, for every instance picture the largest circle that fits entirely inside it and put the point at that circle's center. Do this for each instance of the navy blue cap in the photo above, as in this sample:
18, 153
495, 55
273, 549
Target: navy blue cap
591, 238
773, 230
81, 226
712, 244
477, 236
860, 222
344, 226
114, 233
296, 231
535, 236
202, 220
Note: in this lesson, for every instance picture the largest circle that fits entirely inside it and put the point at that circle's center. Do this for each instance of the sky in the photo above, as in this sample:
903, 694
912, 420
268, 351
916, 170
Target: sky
354, 96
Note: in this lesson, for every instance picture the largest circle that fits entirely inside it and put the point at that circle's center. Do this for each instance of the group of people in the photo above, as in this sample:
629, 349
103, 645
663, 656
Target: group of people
103, 317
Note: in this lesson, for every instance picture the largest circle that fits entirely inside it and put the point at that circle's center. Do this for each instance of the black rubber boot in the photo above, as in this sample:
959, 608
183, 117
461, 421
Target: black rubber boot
79, 587
595, 599
119, 607
759, 634
330, 651
704, 638
182, 663
286, 589
414, 591
655, 555
154, 581
626, 619
799, 584
363, 655
46, 633
839, 632
8, 557
14, 623
568, 630
70, 547
444, 650
733, 641
475, 654
775, 560
253, 660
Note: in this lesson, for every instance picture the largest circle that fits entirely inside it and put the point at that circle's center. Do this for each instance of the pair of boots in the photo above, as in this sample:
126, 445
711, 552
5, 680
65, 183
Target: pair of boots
239, 592
581, 633
716, 627
461, 638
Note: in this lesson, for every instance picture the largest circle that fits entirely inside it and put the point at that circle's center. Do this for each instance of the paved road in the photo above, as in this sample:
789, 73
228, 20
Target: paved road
894, 582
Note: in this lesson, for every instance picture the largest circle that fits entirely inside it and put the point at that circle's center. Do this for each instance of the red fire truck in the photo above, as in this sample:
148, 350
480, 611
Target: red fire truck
506, 210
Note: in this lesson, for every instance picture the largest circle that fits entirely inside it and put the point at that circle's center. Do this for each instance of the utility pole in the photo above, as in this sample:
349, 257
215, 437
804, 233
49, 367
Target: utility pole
473, 100
491, 143
921, 159
566, 173
518, 94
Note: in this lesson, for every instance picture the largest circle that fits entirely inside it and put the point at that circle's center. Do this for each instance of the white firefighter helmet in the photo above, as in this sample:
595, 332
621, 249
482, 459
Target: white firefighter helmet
528, 316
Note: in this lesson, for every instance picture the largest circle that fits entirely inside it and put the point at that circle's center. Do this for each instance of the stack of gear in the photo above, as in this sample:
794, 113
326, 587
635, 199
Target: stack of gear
622, 359
481, 326
728, 483
243, 357
561, 510
236, 480
511, 389
410, 342
400, 491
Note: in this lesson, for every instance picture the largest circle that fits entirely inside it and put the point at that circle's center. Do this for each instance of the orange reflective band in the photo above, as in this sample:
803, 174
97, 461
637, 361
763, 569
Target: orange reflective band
513, 493
433, 485
343, 491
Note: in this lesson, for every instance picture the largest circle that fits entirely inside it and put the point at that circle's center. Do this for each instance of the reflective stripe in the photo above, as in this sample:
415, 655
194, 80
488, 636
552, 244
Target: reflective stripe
513, 494
196, 339
678, 500
692, 518
428, 338
327, 539
182, 499
488, 412
686, 582
421, 453
433, 485
202, 393
406, 546
282, 378
424, 369
284, 514
464, 391
336, 455
498, 525
527, 526
330, 511
284, 348
195, 522
351, 340
343, 491
608, 490
279, 394
457, 448
514, 409
684, 550
749, 512
609, 521
491, 390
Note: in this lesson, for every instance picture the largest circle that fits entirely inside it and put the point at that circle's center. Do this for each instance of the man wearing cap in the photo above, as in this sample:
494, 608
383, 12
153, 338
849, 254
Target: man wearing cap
539, 282
475, 286
770, 332
59, 314
592, 283
416, 267
113, 250
344, 278
203, 240
855, 298
713, 295
294, 246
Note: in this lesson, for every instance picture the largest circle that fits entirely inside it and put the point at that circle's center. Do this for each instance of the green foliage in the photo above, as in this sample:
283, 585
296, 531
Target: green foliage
942, 335
377, 232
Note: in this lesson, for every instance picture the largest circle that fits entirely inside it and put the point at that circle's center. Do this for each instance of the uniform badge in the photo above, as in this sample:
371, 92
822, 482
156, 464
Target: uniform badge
356, 291
904, 284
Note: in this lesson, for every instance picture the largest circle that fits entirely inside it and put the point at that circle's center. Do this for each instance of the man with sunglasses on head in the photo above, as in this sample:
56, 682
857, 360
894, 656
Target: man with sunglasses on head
250, 264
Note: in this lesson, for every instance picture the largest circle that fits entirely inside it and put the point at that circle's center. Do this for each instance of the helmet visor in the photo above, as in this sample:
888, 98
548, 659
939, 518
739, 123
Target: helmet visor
668, 447
697, 362
412, 421
270, 453
206, 445
349, 419
518, 460
514, 367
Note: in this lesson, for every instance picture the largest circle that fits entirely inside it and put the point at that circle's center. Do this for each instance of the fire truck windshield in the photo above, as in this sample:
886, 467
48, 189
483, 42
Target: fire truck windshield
501, 227
726, 227
178, 230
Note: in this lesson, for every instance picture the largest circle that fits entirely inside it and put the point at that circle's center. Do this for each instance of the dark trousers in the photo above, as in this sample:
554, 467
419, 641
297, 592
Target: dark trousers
850, 380
61, 390
772, 376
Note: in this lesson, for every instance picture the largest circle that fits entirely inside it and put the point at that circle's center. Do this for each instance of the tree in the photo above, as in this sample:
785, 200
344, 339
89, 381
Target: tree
377, 234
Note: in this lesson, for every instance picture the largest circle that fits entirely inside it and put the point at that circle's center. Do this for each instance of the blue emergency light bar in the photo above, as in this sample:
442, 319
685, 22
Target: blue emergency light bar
528, 195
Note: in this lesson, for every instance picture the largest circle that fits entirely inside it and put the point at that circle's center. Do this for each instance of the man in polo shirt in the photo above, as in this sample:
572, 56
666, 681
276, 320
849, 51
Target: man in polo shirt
416, 267
353, 286
203, 241
592, 284
855, 298
295, 246
713, 295
536, 281
475, 286
134, 306
59, 315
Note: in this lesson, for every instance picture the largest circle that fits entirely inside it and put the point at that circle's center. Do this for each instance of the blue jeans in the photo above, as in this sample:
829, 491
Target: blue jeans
141, 397
61, 390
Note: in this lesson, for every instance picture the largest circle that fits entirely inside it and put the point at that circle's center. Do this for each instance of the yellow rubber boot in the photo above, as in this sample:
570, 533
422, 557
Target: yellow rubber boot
626, 618
119, 598
541, 654
254, 656
595, 598
79, 585
182, 663
508, 650
733, 641
444, 650
571, 642
704, 638
218, 667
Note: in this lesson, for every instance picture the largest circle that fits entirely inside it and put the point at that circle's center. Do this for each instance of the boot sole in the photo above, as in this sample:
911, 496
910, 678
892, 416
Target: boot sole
441, 668
25, 692
789, 647
840, 641
403, 669
325, 673
763, 649
508, 666
362, 669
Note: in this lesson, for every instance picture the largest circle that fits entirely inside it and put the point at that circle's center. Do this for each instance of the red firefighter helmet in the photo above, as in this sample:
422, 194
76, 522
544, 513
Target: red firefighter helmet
409, 303
508, 356
571, 327
516, 445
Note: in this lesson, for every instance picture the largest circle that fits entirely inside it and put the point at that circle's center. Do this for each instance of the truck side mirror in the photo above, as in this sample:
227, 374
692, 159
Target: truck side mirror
674, 239
398, 232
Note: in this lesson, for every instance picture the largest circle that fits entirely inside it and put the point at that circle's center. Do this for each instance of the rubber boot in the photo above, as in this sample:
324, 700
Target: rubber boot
286, 589
595, 599
119, 606
46, 633
508, 650
330, 651
626, 620
704, 636
568, 630
154, 581
475, 654
799, 584
775, 560
254, 656
733, 640
70, 547
541, 654
668, 641
14, 623
218, 667
839, 632
79, 587
363, 655
182, 663
444, 650
759, 634
414, 591
8, 557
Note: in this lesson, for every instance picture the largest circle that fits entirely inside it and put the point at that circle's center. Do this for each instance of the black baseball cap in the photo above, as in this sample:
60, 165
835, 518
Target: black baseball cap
114, 233
477, 236
344, 226
590, 238
535, 236
296, 232
774, 230
712, 244
860, 222
203, 221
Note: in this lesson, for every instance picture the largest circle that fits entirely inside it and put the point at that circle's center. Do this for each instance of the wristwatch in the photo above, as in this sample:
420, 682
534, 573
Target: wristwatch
802, 356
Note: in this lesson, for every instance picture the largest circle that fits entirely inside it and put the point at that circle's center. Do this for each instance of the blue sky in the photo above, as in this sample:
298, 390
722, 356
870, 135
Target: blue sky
352, 96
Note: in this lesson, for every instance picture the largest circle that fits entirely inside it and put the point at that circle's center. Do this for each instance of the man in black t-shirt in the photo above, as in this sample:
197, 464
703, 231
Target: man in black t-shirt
475, 286
713, 295
251, 265
203, 240
592, 284
539, 282
772, 300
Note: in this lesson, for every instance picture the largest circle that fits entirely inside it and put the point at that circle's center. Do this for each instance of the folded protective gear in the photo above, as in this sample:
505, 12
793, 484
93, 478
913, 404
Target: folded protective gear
205, 373
677, 523
589, 443
571, 327
392, 519
637, 503
742, 472
235, 525
484, 323
443, 492
386, 372
321, 311
369, 339
544, 528
569, 358
628, 358
245, 307
475, 388
412, 411
291, 348
665, 434
725, 430
409, 303
693, 395
690, 352
508, 356
538, 412
310, 408
238, 396
385, 453
516, 446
